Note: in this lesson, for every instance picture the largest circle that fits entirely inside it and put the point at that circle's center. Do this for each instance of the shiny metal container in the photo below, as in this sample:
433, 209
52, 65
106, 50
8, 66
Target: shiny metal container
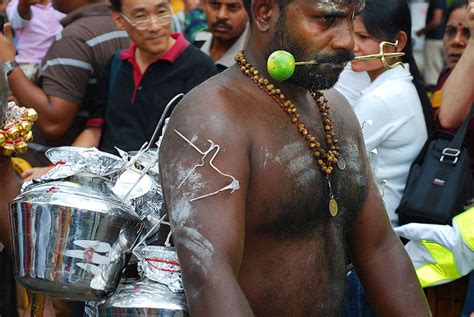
72, 237
158, 293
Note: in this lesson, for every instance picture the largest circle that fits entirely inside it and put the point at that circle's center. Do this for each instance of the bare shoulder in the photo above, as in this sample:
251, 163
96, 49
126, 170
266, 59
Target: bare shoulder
344, 116
219, 109
210, 115
217, 97
340, 104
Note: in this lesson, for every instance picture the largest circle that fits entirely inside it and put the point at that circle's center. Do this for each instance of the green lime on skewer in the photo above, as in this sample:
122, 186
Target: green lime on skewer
281, 65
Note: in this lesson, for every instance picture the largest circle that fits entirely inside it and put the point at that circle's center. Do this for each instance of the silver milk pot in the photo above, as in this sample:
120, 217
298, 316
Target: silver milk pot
72, 237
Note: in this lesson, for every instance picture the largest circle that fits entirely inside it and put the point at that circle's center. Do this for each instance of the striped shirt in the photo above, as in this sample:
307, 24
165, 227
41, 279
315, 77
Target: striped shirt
74, 61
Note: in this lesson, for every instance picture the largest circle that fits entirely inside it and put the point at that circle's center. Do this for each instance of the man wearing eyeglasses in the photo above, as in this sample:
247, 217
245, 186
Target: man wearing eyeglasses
68, 74
137, 83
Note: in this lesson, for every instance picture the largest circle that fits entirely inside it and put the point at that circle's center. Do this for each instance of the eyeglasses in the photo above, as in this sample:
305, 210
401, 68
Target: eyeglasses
451, 32
144, 23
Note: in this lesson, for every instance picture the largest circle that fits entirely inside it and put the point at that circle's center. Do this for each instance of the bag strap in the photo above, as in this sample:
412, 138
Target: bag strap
116, 63
452, 151
456, 142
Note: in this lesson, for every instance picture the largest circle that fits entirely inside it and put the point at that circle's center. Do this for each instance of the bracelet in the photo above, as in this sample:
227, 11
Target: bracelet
16, 131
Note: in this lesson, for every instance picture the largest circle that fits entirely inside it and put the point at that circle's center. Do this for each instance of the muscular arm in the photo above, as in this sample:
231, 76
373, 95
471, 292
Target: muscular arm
9, 188
55, 114
388, 276
458, 90
208, 233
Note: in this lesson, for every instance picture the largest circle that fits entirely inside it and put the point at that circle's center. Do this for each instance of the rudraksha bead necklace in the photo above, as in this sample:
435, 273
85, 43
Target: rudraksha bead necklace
325, 158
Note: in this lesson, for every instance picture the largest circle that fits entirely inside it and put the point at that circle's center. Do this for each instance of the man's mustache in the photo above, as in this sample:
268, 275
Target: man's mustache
339, 58
220, 23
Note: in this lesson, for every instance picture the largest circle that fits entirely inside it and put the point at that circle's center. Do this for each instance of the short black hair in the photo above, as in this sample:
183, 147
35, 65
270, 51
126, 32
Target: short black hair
116, 5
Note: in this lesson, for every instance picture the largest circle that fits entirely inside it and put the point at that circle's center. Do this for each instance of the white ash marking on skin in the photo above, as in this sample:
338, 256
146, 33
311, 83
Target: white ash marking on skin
302, 170
194, 138
194, 182
200, 248
266, 156
288, 152
299, 165
219, 123
182, 212
352, 158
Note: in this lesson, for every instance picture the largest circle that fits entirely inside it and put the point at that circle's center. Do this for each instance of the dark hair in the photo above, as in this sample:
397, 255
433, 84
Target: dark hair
456, 5
116, 5
247, 4
383, 20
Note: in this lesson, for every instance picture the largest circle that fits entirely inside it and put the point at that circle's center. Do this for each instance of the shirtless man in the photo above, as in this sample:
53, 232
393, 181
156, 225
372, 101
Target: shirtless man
272, 248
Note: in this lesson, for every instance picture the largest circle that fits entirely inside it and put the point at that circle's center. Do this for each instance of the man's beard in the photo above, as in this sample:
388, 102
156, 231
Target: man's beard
320, 76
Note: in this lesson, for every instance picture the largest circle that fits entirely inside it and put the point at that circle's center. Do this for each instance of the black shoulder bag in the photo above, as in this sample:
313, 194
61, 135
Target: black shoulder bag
439, 182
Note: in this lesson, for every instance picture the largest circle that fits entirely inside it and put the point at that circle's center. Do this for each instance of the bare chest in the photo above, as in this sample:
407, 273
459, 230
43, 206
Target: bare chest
289, 194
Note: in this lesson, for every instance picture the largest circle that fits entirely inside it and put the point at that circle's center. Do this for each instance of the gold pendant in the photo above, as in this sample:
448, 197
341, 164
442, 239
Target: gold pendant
333, 207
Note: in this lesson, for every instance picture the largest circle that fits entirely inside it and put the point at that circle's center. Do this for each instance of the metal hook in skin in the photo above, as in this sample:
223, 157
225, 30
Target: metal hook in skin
380, 55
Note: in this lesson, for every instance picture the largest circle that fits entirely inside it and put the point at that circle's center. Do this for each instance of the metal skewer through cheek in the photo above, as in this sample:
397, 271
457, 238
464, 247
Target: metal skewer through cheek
380, 55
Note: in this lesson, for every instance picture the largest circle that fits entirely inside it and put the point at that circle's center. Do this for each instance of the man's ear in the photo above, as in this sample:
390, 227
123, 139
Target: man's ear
263, 12
118, 20
402, 39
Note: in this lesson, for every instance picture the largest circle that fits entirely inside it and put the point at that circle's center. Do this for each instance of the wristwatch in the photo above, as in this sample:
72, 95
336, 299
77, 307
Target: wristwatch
10, 66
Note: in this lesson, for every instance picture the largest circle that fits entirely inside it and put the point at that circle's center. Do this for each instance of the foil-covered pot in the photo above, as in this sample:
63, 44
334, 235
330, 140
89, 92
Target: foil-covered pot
72, 236
158, 293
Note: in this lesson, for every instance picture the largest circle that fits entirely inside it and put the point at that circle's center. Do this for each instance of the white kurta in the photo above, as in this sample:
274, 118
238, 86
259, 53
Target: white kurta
396, 134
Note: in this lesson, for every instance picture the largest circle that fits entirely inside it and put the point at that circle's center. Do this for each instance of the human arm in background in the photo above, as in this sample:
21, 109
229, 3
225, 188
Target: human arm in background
3, 5
209, 234
89, 137
434, 22
56, 113
19, 12
458, 90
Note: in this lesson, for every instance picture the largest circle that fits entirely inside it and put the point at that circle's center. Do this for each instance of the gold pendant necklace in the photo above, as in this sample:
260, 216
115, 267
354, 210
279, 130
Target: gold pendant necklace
325, 158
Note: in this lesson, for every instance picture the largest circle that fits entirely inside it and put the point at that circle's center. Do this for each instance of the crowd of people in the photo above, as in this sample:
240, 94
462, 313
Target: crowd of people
309, 228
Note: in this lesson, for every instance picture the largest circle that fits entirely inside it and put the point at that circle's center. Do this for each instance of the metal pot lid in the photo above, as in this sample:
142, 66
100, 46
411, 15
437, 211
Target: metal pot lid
71, 160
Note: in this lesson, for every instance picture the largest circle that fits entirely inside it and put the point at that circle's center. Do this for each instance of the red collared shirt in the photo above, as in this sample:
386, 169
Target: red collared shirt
171, 56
